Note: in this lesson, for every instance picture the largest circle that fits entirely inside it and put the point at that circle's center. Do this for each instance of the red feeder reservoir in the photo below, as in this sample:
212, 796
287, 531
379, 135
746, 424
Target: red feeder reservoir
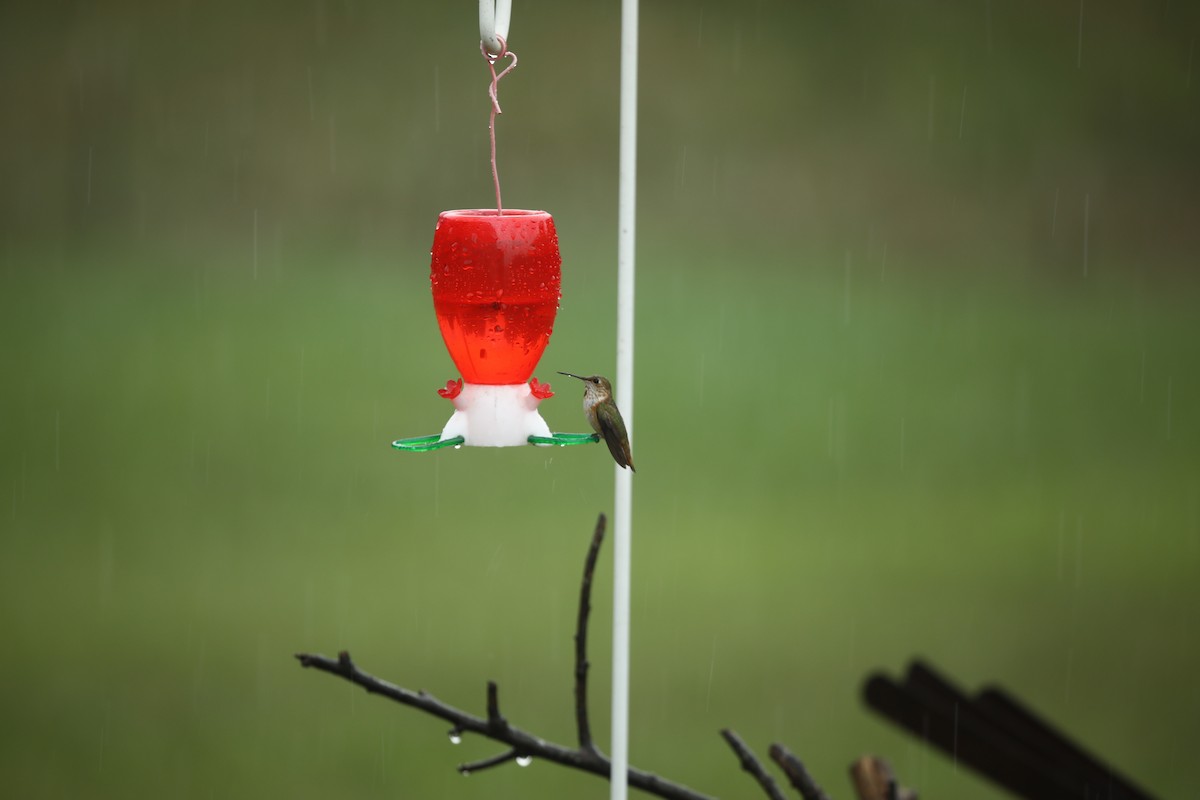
496, 281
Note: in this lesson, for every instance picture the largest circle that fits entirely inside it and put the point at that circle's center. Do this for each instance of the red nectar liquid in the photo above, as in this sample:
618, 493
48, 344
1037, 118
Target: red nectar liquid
496, 282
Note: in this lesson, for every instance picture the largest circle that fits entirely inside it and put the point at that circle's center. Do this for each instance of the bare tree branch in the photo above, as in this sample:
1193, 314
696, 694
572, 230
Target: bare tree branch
797, 774
520, 741
482, 764
581, 660
497, 728
752, 765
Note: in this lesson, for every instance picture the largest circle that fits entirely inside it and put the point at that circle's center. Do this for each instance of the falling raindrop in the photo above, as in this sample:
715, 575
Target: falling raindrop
987, 25
312, 103
956, 738
437, 100
332, 145
962, 111
1087, 204
1062, 527
846, 295
712, 666
1169, 408
255, 260
737, 48
1079, 50
524, 761
1187, 84
1078, 551
1142, 382
932, 98
1054, 215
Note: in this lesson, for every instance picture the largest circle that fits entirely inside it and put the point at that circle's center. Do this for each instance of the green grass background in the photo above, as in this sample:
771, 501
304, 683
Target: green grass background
917, 350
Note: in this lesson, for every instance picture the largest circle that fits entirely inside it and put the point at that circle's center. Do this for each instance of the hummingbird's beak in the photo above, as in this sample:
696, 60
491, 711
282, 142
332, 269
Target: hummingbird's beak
570, 375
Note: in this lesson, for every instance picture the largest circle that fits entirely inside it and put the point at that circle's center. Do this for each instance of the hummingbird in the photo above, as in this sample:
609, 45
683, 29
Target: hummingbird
601, 412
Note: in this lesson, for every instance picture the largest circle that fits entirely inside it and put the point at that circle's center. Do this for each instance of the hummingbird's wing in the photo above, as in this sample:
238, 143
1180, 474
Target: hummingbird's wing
612, 429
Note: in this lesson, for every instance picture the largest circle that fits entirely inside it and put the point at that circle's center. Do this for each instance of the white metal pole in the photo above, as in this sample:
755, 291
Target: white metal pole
623, 500
494, 17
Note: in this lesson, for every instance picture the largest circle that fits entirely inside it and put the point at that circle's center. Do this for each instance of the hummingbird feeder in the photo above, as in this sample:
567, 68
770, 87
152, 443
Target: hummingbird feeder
496, 280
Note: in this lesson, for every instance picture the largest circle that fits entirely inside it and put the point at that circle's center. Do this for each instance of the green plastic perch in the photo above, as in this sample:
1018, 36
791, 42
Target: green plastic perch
424, 444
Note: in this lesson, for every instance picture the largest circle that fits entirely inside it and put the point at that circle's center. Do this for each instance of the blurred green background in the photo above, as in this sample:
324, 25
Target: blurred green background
917, 351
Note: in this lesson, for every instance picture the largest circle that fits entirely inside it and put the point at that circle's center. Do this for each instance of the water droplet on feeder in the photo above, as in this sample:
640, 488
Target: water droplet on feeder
524, 761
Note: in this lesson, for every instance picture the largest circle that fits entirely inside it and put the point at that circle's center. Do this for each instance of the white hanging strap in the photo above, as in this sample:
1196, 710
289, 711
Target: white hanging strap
494, 16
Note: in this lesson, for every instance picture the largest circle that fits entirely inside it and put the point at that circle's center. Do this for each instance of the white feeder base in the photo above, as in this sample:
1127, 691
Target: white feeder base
495, 416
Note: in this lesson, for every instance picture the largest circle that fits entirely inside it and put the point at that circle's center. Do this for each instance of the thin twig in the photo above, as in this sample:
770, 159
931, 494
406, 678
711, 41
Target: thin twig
496, 720
752, 765
581, 660
797, 774
485, 763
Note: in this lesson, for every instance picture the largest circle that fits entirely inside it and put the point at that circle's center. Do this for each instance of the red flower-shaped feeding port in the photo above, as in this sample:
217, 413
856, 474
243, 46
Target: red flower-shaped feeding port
453, 389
